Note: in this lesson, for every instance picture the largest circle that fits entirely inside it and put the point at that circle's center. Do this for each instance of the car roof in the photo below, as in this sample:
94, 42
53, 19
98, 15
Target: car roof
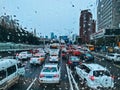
4, 63
95, 66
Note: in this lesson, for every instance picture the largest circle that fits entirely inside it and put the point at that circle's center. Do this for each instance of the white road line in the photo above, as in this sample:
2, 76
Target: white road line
116, 65
76, 85
98, 58
31, 84
68, 72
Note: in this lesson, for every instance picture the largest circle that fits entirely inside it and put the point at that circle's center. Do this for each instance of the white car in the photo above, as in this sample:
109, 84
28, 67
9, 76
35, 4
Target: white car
10, 72
50, 74
95, 76
54, 58
38, 58
115, 57
24, 55
54, 51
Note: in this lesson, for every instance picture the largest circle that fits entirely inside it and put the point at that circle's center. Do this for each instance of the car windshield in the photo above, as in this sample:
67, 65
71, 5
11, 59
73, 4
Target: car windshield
53, 47
49, 69
23, 53
36, 56
53, 55
74, 59
42, 56
111, 55
101, 73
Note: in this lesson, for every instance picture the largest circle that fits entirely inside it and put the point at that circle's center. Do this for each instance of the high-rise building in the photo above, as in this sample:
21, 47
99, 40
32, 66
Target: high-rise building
52, 35
87, 26
108, 14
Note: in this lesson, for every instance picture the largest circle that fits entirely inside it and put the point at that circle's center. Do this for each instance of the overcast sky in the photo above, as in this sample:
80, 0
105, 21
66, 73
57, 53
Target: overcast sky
46, 16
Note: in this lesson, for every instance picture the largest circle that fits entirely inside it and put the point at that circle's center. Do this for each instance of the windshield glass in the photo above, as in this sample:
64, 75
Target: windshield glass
101, 73
74, 59
49, 69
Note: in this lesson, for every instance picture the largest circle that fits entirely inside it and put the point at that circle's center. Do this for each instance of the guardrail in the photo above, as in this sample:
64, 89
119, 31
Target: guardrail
17, 47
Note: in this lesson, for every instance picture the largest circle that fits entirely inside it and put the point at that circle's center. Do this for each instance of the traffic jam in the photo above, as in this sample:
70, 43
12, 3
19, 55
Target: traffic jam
59, 67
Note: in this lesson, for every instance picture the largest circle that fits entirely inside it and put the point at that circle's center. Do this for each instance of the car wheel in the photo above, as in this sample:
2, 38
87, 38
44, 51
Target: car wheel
59, 82
85, 82
113, 61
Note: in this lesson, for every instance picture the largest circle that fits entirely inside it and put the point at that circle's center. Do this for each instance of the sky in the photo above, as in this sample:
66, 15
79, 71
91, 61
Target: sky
46, 16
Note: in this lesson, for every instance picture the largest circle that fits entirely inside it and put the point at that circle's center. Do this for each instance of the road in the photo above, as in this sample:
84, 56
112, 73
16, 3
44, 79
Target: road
33, 71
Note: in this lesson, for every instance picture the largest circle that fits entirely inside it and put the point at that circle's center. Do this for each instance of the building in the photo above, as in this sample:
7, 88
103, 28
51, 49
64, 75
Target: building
108, 23
108, 14
52, 35
87, 26
74, 37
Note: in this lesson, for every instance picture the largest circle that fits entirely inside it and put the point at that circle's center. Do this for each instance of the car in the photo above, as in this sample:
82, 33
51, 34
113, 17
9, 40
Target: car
95, 76
110, 49
76, 52
87, 57
50, 74
64, 55
40, 50
10, 72
33, 51
24, 55
38, 58
54, 58
47, 50
73, 61
54, 51
114, 57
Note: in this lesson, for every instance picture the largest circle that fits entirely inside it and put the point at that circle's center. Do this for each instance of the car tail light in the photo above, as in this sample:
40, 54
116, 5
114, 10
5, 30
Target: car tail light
17, 54
80, 63
69, 62
56, 75
86, 56
113, 77
42, 75
63, 54
39, 59
92, 78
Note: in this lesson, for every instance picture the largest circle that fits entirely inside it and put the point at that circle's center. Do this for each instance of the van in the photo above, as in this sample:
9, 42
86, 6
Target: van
10, 71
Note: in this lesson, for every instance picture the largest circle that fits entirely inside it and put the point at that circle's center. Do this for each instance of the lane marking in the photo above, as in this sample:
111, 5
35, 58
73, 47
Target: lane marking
31, 83
70, 81
118, 66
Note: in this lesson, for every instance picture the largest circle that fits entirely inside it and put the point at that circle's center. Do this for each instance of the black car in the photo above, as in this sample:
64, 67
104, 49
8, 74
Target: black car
87, 57
73, 61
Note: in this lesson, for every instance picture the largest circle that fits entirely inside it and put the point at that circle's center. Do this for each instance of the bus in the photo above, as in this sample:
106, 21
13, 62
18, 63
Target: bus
90, 47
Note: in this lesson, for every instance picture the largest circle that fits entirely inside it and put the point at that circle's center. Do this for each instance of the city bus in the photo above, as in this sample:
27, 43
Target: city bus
90, 47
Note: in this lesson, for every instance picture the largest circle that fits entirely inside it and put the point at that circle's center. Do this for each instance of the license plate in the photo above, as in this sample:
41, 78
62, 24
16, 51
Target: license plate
48, 76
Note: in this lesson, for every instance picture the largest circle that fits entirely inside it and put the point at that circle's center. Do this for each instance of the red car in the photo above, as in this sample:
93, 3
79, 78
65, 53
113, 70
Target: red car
76, 52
